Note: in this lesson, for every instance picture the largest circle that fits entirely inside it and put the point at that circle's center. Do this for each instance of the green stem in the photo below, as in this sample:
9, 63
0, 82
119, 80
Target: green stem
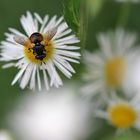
84, 20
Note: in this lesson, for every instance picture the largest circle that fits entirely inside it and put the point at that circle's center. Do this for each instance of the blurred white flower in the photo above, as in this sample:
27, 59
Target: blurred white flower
132, 82
4, 135
106, 70
122, 114
53, 116
46, 45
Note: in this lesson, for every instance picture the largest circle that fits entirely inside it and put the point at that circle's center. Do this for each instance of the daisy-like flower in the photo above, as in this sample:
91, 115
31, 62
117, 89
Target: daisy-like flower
107, 69
121, 113
47, 45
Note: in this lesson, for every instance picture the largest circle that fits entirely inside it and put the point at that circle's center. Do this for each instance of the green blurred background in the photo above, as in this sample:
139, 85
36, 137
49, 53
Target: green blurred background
109, 16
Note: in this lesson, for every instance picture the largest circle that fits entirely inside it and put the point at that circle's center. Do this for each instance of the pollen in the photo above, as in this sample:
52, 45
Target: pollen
122, 115
115, 69
31, 56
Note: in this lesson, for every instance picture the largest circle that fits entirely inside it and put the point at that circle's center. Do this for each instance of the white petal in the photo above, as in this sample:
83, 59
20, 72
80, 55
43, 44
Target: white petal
45, 79
93, 59
55, 78
93, 88
63, 33
38, 18
51, 24
63, 69
101, 114
59, 21
20, 73
28, 23
38, 79
105, 43
62, 27
49, 66
16, 32
44, 23
67, 40
66, 47
64, 63
69, 59
8, 65
26, 77
33, 78
68, 53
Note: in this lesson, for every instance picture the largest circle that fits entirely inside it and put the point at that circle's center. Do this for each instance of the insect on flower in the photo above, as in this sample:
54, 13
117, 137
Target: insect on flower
36, 43
46, 47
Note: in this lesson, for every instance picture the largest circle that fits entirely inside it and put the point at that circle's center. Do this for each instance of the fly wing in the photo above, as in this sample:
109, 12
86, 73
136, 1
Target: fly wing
51, 33
20, 40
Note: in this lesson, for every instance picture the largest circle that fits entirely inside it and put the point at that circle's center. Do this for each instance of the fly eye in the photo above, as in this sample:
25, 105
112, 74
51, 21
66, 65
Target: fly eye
36, 38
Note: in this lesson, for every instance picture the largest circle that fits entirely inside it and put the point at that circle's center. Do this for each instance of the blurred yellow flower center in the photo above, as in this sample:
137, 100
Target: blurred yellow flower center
32, 56
114, 71
122, 115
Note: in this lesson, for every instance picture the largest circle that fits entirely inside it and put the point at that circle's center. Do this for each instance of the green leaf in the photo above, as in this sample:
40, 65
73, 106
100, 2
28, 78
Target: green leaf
71, 14
76, 15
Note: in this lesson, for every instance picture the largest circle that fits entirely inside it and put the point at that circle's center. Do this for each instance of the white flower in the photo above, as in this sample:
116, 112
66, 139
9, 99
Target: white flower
107, 69
4, 135
46, 46
132, 82
50, 116
122, 114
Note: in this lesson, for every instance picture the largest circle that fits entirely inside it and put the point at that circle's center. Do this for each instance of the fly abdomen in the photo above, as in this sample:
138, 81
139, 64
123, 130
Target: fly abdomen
39, 51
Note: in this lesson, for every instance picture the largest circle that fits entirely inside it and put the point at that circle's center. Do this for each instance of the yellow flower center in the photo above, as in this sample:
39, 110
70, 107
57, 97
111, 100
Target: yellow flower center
32, 56
115, 69
122, 115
